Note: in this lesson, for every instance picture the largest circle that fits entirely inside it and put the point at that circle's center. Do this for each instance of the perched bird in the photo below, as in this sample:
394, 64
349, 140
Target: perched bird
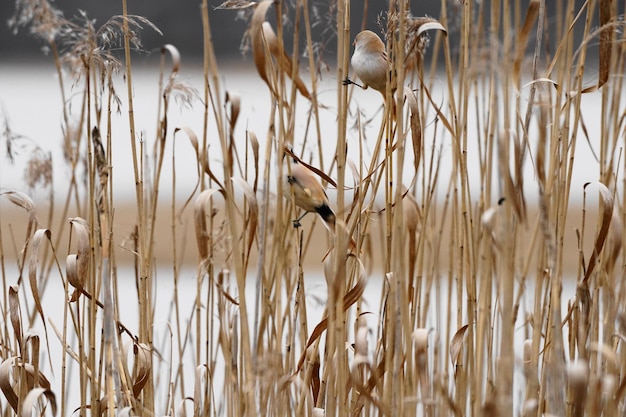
369, 62
308, 194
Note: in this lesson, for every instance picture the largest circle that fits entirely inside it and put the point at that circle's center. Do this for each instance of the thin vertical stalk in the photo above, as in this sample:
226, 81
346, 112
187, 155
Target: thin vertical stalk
145, 309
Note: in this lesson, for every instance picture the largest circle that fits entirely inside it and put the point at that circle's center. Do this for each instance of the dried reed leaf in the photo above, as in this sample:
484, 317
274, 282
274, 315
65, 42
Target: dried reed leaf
429, 23
411, 215
283, 59
316, 381
104, 404
201, 155
207, 170
235, 5
175, 58
364, 391
607, 215
609, 354
329, 268
416, 126
518, 189
34, 379
512, 193
141, 352
416, 38
79, 265
33, 397
68, 348
615, 237
252, 220
372, 382
193, 138
32, 269
541, 80
71, 271
349, 299
203, 235
21, 200
355, 292
456, 343
223, 290
606, 41
5, 382
235, 106
257, 42
32, 340
437, 107
25, 202
234, 343
14, 314
575, 93
100, 158
585, 131
317, 332
254, 144
542, 140
522, 38
564, 42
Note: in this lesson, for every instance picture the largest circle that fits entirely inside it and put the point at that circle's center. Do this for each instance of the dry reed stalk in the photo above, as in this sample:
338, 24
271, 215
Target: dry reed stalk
246, 362
145, 275
208, 71
313, 71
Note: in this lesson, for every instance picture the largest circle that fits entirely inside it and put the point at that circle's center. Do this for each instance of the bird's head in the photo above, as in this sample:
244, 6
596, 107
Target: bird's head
368, 41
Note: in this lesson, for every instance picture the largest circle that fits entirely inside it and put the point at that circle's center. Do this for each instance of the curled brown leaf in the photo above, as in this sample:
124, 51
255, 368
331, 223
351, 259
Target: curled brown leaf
258, 44
203, 239
605, 222
456, 343
142, 367
33, 397
32, 268
78, 264
253, 210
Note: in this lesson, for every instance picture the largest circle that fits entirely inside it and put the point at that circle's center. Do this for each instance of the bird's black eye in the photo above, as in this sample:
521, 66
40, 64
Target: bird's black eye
290, 179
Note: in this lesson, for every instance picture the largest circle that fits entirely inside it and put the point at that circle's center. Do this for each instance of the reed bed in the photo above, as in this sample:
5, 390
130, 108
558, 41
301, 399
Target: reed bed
471, 318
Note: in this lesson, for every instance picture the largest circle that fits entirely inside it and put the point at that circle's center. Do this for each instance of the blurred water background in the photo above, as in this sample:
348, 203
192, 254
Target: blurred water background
30, 101
31, 107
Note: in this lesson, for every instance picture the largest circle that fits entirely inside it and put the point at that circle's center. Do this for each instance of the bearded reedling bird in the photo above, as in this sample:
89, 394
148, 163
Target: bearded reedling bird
308, 194
369, 62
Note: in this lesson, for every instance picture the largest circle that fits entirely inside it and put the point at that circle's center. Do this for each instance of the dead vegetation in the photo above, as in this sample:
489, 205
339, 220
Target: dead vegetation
469, 265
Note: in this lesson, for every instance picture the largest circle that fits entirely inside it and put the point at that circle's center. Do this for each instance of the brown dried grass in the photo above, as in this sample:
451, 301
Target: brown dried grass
435, 349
